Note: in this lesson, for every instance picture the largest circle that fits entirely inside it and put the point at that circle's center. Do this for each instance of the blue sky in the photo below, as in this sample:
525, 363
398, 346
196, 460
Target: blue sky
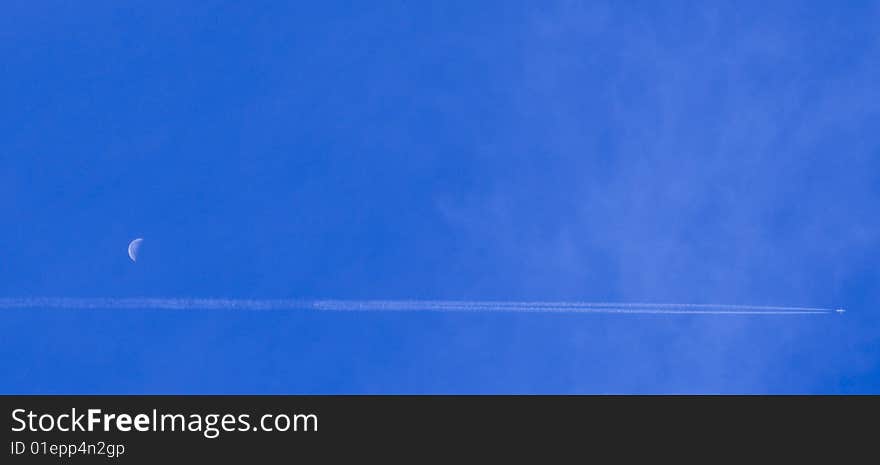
646, 151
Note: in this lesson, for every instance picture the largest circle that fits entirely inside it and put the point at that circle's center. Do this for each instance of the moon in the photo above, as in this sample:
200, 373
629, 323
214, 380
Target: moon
133, 248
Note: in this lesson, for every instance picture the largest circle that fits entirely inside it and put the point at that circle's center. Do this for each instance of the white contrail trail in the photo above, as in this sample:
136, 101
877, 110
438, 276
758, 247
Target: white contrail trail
143, 303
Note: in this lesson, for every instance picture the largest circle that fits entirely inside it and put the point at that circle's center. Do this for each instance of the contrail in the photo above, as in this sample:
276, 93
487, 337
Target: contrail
466, 306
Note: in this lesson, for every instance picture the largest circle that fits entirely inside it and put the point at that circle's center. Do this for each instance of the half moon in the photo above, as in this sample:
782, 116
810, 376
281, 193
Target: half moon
133, 248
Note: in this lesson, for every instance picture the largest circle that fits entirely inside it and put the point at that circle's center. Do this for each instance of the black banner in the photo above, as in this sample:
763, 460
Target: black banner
148, 429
